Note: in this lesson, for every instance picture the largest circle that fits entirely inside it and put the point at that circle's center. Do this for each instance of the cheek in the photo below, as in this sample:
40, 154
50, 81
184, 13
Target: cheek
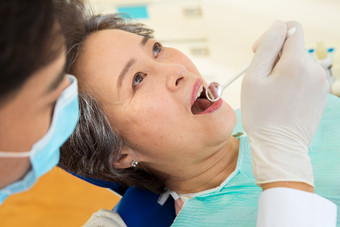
37, 119
24, 130
148, 123
155, 117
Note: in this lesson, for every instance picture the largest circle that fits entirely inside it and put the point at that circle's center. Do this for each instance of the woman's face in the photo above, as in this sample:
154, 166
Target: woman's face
148, 92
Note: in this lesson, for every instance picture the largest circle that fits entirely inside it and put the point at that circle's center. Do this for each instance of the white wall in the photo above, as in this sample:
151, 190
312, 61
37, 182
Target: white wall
233, 26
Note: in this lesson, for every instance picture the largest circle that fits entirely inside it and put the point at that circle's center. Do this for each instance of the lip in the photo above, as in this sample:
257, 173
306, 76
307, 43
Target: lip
216, 105
197, 85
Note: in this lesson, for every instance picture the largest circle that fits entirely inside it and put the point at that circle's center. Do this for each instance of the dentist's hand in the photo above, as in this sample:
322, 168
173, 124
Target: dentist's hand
282, 101
105, 218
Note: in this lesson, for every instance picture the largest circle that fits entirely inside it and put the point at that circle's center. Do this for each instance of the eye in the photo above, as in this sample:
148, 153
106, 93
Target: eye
156, 49
137, 79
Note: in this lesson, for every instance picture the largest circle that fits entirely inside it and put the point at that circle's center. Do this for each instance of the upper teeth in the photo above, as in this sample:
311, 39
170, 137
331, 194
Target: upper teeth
199, 92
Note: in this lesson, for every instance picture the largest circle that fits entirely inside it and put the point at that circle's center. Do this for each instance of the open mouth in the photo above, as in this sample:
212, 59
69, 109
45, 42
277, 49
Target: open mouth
201, 103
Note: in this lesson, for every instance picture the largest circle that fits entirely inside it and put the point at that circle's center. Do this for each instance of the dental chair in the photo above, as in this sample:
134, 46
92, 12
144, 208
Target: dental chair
138, 207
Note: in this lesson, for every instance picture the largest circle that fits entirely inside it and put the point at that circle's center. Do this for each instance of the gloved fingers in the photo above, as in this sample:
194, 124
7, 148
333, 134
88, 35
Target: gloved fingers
294, 44
105, 218
105, 213
301, 64
260, 38
267, 48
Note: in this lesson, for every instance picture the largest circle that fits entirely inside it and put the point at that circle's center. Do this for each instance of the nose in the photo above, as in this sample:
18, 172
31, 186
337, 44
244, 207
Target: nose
174, 75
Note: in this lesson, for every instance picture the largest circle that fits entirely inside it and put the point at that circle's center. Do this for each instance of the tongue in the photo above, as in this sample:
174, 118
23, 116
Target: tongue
200, 105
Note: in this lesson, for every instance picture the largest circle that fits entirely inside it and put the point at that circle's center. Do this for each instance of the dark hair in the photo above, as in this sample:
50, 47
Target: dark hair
95, 146
30, 39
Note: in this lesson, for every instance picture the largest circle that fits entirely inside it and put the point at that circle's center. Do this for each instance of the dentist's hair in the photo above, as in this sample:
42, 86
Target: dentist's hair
30, 39
95, 146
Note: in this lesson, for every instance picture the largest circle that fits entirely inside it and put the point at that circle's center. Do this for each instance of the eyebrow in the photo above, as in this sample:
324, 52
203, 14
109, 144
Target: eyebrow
144, 40
57, 81
129, 64
124, 71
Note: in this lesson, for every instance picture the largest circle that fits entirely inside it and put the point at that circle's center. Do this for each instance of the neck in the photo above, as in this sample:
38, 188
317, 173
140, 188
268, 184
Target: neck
209, 174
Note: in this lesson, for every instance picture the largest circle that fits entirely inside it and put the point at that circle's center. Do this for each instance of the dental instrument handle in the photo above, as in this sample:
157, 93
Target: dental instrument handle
235, 77
289, 33
214, 90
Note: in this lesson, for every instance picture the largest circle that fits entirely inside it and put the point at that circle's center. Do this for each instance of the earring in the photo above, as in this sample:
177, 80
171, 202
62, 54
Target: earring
134, 163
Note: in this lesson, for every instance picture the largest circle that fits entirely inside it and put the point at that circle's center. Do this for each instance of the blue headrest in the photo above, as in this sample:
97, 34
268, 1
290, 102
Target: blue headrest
104, 184
137, 207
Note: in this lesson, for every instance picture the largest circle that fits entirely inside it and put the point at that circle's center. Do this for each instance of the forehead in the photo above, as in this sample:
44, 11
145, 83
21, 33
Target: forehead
110, 42
103, 56
106, 50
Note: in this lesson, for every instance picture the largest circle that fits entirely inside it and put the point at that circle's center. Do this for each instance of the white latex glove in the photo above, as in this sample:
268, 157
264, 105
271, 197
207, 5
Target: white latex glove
282, 101
105, 218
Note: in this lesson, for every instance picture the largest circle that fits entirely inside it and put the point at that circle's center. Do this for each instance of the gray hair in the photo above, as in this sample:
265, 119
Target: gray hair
95, 146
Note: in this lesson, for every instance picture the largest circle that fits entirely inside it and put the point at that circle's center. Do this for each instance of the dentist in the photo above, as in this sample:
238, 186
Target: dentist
38, 102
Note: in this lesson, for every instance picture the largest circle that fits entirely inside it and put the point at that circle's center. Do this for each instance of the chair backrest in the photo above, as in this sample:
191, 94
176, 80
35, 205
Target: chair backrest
104, 184
137, 207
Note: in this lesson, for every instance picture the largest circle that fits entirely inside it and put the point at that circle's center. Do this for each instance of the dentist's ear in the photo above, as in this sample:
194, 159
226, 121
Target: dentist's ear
125, 159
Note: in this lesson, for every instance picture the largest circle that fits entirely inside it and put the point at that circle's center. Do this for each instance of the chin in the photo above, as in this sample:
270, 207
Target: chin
229, 118
224, 122
227, 113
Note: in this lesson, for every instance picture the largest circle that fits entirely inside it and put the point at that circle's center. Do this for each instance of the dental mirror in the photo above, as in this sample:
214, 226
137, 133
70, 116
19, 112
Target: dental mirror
214, 90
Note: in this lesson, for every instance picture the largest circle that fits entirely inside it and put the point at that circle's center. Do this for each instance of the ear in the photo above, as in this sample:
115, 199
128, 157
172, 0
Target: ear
125, 159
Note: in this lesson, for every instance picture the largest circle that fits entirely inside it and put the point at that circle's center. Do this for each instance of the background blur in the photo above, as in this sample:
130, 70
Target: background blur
218, 36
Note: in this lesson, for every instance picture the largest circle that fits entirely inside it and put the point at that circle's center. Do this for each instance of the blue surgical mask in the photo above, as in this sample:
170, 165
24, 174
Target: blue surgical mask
44, 154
